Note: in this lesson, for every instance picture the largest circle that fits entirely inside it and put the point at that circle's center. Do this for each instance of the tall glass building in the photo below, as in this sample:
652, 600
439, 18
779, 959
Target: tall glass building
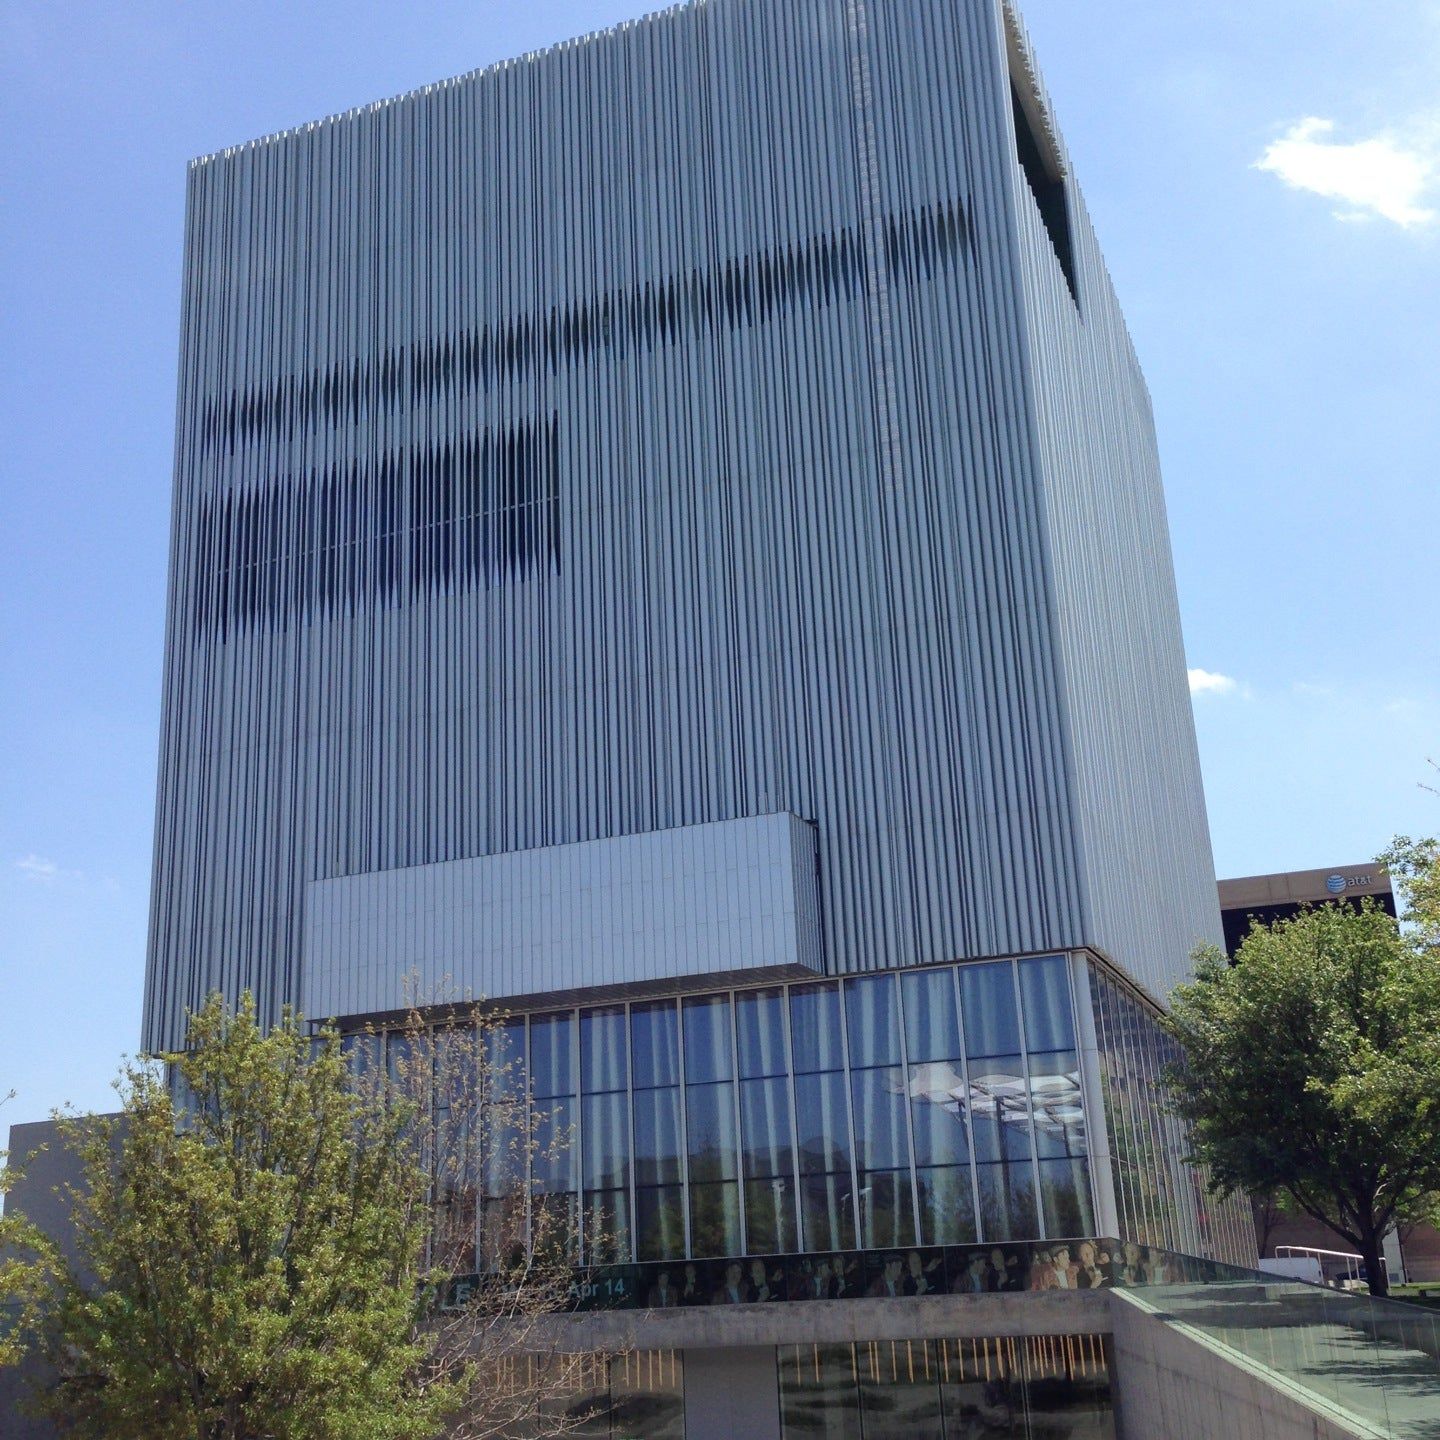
668, 537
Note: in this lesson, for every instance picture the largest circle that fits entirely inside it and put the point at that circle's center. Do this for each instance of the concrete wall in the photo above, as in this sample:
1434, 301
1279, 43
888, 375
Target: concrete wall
730, 1393
38, 1196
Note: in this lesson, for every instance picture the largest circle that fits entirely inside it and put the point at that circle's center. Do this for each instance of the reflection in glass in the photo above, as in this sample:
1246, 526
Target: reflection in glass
770, 1216
707, 1039
554, 1161
937, 1113
1007, 1201
1065, 1197
606, 1142
824, 1122
818, 1399
603, 1051
932, 1021
1059, 1115
657, 1136
815, 1034
552, 1055
647, 1395
882, 1140
659, 1222
760, 1023
607, 1225
715, 1219
1045, 993
872, 1016
765, 1128
887, 1213
827, 1212
897, 1389
947, 1205
999, 1110
992, 1024
710, 1128
655, 1045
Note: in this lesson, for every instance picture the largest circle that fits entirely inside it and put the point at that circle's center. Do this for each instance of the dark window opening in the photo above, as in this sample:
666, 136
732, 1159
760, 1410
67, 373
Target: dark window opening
1047, 186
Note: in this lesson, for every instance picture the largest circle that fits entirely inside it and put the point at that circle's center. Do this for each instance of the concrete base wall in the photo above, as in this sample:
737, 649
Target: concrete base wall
730, 1393
1172, 1385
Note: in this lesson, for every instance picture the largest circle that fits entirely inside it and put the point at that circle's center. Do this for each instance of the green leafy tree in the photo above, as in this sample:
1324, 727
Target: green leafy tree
279, 1256
1311, 1069
27, 1262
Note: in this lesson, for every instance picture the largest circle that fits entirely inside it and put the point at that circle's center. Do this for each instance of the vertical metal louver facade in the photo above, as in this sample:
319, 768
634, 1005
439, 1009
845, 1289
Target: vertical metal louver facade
691, 422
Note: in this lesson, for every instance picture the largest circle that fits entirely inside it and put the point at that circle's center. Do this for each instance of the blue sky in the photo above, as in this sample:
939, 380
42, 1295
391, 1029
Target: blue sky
1265, 178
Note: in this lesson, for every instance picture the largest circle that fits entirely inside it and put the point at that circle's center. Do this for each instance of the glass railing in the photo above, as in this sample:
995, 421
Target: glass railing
1376, 1360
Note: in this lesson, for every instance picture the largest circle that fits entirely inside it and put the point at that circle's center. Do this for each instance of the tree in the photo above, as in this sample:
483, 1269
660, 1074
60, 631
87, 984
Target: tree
280, 1254
26, 1265
1311, 1067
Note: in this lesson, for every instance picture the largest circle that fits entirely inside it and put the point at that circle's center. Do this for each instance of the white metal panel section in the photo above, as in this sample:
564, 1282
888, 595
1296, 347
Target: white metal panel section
699, 899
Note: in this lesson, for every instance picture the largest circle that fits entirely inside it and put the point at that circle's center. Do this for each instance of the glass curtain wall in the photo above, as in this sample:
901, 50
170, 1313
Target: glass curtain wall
1160, 1200
927, 1107
1057, 1388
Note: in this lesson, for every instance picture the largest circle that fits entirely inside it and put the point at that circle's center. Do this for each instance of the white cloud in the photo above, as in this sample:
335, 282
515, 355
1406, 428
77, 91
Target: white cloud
1206, 682
36, 867
1389, 175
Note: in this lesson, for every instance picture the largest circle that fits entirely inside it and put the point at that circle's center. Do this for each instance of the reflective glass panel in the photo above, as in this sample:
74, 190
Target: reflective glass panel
872, 1015
827, 1212
765, 1127
555, 1161
552, 1055
815, 1034
881, 1138
654, 1044
887, 1212
980, 1397
824, 1122
607, 1225
503, 1231
647, 1396
505, 1058
504, 1149
657, 1136
1045, 992
947, 1205
1058, 1115
1065, 1197
605, 1135
818, 1394
899, 1396
707, 1039
1007, 1201
937, 1113
992, 1024
715, 1219
999, 1110
710, 1129
603, 1051
932, 1020
760, 1023
659, 1222
770, 1216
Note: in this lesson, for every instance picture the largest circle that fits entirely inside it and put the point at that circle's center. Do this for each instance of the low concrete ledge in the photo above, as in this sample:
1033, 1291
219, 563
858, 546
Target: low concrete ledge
952, 1317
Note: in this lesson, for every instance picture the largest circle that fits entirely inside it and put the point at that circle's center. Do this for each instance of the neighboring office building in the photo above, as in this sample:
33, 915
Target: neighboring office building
1266, 899
668, 535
